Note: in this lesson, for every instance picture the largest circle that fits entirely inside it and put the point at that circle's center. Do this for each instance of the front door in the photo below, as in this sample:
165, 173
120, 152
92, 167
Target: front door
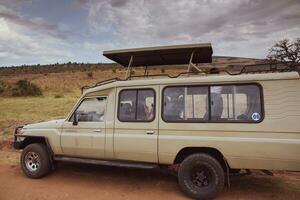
136, 124
87, 137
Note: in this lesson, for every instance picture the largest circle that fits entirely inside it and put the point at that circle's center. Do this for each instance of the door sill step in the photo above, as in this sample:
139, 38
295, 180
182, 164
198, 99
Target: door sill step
127, 164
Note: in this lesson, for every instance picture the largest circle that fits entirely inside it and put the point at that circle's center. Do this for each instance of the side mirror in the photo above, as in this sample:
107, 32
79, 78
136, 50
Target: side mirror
75, 119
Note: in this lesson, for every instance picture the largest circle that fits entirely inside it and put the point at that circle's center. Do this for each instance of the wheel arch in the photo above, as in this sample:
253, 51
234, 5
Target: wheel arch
35, 139
187, 151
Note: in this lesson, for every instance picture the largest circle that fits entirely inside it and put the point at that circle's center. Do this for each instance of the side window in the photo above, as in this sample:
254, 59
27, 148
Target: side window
221, 103
136, 105
127, 105
185, 103
235, 103
91, 110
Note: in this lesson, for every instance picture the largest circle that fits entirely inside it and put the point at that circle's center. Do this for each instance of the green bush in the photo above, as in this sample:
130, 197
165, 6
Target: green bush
2, 87
25, 88
58, 96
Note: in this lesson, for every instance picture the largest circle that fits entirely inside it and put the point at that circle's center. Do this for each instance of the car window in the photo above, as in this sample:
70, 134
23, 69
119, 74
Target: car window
136, 105
186, 103
220, 103
91, 110
235, 103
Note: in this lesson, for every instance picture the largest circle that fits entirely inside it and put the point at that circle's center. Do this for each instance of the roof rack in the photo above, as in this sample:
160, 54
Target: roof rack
100, 83
269, 67
182, 54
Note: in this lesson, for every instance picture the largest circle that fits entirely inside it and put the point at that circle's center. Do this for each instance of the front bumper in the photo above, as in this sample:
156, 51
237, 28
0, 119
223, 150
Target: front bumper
17, 145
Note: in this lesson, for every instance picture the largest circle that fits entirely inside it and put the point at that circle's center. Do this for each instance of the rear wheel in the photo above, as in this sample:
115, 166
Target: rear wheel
201, 176
35, 160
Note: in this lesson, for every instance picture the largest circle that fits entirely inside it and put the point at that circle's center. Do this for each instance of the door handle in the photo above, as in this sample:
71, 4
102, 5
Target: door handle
97, 131
150, 132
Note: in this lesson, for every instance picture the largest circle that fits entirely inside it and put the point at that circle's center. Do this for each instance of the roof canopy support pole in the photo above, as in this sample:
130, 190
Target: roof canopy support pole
191, 64
128, 73
146, 71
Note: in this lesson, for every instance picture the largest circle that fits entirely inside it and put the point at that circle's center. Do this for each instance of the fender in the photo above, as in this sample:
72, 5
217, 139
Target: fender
30, 139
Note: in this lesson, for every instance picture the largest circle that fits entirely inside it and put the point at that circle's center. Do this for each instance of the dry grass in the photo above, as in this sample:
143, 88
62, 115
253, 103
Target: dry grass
68, 82
23, 110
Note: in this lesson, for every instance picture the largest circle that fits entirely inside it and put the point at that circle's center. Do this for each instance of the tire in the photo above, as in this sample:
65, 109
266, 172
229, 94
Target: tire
35, 161
201, 176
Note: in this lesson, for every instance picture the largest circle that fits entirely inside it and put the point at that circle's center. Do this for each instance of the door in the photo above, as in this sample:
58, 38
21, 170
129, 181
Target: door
86, 139
136, 124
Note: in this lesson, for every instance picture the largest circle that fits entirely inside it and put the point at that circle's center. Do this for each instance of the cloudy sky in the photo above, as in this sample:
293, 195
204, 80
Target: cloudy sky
44, 31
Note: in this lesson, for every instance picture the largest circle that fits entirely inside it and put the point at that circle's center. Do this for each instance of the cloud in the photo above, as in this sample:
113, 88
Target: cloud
38, 24
80, 30
33, 40
230, 23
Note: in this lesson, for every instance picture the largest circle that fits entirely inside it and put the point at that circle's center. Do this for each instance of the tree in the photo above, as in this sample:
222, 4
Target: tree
286, 51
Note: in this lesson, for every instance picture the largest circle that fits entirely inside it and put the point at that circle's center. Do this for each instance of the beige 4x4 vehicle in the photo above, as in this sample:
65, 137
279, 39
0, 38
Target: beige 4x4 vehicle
207, 125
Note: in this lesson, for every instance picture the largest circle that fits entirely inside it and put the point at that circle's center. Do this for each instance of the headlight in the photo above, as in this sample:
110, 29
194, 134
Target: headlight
20, 131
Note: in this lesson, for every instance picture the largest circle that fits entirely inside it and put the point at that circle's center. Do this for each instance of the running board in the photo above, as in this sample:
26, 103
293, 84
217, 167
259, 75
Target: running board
126, 164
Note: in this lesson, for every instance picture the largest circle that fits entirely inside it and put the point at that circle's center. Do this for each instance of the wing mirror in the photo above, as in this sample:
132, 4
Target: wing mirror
75, 119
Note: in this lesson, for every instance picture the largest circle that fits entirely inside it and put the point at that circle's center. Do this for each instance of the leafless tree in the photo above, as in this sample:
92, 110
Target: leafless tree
286, 51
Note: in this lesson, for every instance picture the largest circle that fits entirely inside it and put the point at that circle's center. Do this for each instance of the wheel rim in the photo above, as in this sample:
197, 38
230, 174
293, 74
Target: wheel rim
201, 176
32, 161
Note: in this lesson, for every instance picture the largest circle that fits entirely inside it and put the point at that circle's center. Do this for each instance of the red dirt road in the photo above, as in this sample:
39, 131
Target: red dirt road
79, 182
97, 182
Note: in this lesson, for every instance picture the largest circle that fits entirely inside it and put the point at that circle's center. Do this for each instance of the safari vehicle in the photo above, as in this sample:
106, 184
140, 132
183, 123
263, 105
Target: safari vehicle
208, 125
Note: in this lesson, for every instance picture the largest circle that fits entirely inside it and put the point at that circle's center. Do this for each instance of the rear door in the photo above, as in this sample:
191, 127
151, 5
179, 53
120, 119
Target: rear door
87, 138
136, 124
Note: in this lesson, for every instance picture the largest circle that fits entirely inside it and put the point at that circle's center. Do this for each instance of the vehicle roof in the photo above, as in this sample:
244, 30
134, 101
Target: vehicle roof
209, 79
162, 55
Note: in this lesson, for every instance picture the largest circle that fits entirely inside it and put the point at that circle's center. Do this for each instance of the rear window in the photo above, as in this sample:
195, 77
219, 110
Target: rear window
219, 103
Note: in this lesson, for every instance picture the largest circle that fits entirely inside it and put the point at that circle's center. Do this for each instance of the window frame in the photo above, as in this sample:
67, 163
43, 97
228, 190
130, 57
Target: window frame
209, 107
136, 101
80, 102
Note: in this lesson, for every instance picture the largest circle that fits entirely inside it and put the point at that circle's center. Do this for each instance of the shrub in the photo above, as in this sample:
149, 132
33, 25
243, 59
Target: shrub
25, 88
58, 96
2, 87
90, 75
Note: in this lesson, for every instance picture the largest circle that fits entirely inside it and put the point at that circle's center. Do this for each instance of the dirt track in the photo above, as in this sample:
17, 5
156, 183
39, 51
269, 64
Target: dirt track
73, 181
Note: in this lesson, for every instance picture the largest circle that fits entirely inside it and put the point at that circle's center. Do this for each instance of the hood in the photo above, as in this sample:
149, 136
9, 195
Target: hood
48, 124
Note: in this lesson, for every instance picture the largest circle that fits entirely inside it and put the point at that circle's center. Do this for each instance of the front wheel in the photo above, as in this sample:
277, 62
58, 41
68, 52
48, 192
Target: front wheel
35, 160
201, 176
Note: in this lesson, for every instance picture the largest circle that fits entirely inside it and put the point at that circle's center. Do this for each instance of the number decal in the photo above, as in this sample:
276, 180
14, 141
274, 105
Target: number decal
255, 116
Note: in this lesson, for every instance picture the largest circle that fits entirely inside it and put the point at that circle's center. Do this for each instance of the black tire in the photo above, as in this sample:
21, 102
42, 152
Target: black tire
40, 165
201, 176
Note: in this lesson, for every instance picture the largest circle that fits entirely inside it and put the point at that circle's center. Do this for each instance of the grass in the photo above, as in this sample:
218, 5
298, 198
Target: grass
22, 110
